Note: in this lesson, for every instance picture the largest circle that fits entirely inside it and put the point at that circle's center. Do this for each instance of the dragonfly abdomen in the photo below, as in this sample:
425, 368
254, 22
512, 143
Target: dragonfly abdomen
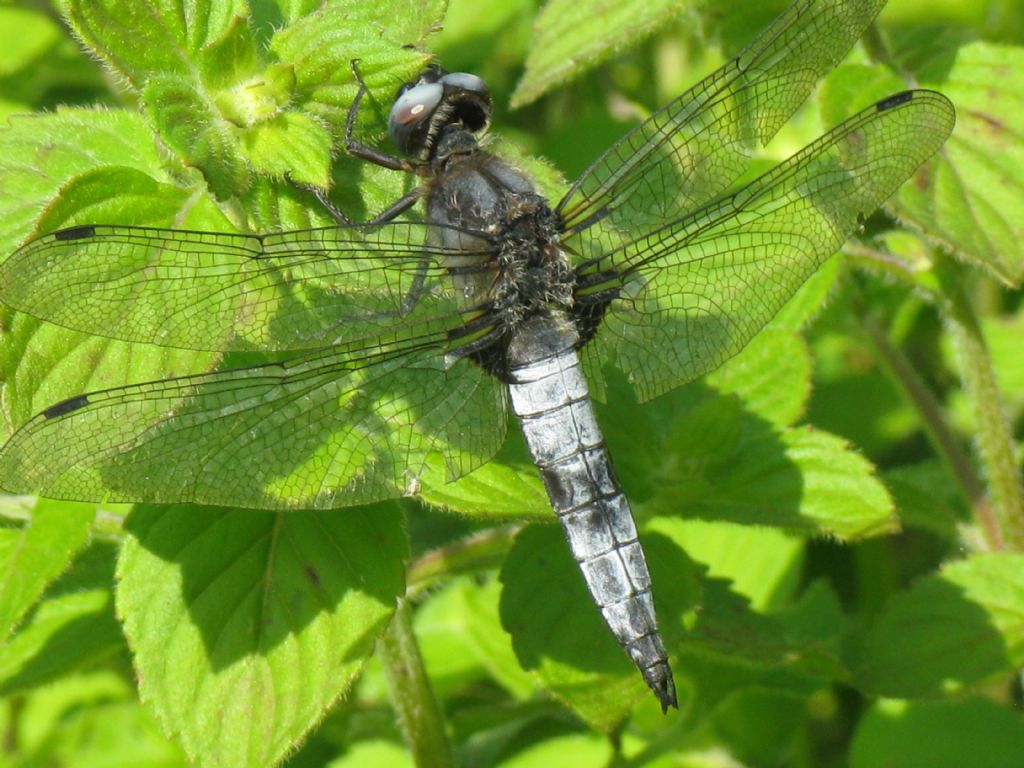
549, 395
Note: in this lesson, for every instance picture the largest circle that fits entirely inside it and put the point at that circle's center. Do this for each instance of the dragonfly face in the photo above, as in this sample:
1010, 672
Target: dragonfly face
409, 340
437, 103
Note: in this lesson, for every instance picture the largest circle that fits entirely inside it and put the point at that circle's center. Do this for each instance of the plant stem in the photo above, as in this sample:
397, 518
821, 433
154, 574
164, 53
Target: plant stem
938, 431
419, 714
995, 440
477, 552
1000, 512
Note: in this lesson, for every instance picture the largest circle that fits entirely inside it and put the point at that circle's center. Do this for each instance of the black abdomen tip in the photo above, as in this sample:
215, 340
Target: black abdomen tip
659, 679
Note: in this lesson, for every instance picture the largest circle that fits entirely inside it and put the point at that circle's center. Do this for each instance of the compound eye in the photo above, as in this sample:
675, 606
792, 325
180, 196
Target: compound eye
466, 82
410, 110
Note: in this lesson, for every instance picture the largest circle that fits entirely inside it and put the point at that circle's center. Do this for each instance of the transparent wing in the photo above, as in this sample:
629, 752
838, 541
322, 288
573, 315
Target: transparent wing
337, 427
293, 291
693, 149
690, 294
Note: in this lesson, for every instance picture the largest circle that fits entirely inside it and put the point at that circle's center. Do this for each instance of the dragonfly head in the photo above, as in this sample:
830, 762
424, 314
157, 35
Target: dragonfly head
437, 100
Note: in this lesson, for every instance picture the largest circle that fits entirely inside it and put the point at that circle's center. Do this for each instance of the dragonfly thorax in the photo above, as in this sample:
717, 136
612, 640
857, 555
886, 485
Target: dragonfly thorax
533, 274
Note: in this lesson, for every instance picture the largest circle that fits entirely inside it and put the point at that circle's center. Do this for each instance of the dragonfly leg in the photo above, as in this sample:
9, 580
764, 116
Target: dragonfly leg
370, 154
356, 148
400, 206
324, 199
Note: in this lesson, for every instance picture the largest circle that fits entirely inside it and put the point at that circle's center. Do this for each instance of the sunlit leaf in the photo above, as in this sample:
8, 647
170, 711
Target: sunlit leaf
36, 553
951, 631
978, 732
246, 626
972, 196
92, 719
71, 628
574, 36
41, 153
141, 39
562, 639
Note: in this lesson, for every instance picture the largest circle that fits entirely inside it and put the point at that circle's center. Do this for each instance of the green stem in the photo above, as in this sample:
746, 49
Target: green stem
942, 438
419, 714
995, 440
480, 551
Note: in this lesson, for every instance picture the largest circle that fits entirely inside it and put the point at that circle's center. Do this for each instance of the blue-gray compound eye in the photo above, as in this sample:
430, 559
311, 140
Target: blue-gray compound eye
410, 110
464, 81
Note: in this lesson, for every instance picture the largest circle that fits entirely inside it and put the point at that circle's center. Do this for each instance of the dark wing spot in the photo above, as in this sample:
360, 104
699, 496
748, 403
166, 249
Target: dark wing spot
75, 233
66, 406
894, 101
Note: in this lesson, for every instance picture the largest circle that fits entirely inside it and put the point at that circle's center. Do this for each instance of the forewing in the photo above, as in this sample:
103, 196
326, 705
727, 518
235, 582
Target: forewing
693, 149
214, 291
692, 293
342, 426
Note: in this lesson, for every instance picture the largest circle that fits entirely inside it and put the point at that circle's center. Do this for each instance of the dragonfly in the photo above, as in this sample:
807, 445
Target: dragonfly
400, 340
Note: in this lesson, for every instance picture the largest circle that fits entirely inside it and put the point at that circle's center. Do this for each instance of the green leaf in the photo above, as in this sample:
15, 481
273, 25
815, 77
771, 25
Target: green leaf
487, 37
25, 35
702, 454
44, 364
969, 195
291, 145
65, 633
712, 450
35, 554
231, 59
927, 498
841, 493
440, 627
189, 122
772, 376
559, 636
978, 732
106, 176
803, 636
407, 23
972, 195
249, 102
506, 486
115, 194
275, 14
809, 300
90, 719
572, 749
460, 637
852, 87
761, 726
492, 645
789, 650
246, 625
957, 629
573, 37
375, 753
39, 154
72, 627
763, 564
322, 46
140, 40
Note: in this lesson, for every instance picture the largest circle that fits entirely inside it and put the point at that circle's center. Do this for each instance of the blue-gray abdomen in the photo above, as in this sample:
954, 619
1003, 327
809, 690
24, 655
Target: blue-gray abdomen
549, 395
